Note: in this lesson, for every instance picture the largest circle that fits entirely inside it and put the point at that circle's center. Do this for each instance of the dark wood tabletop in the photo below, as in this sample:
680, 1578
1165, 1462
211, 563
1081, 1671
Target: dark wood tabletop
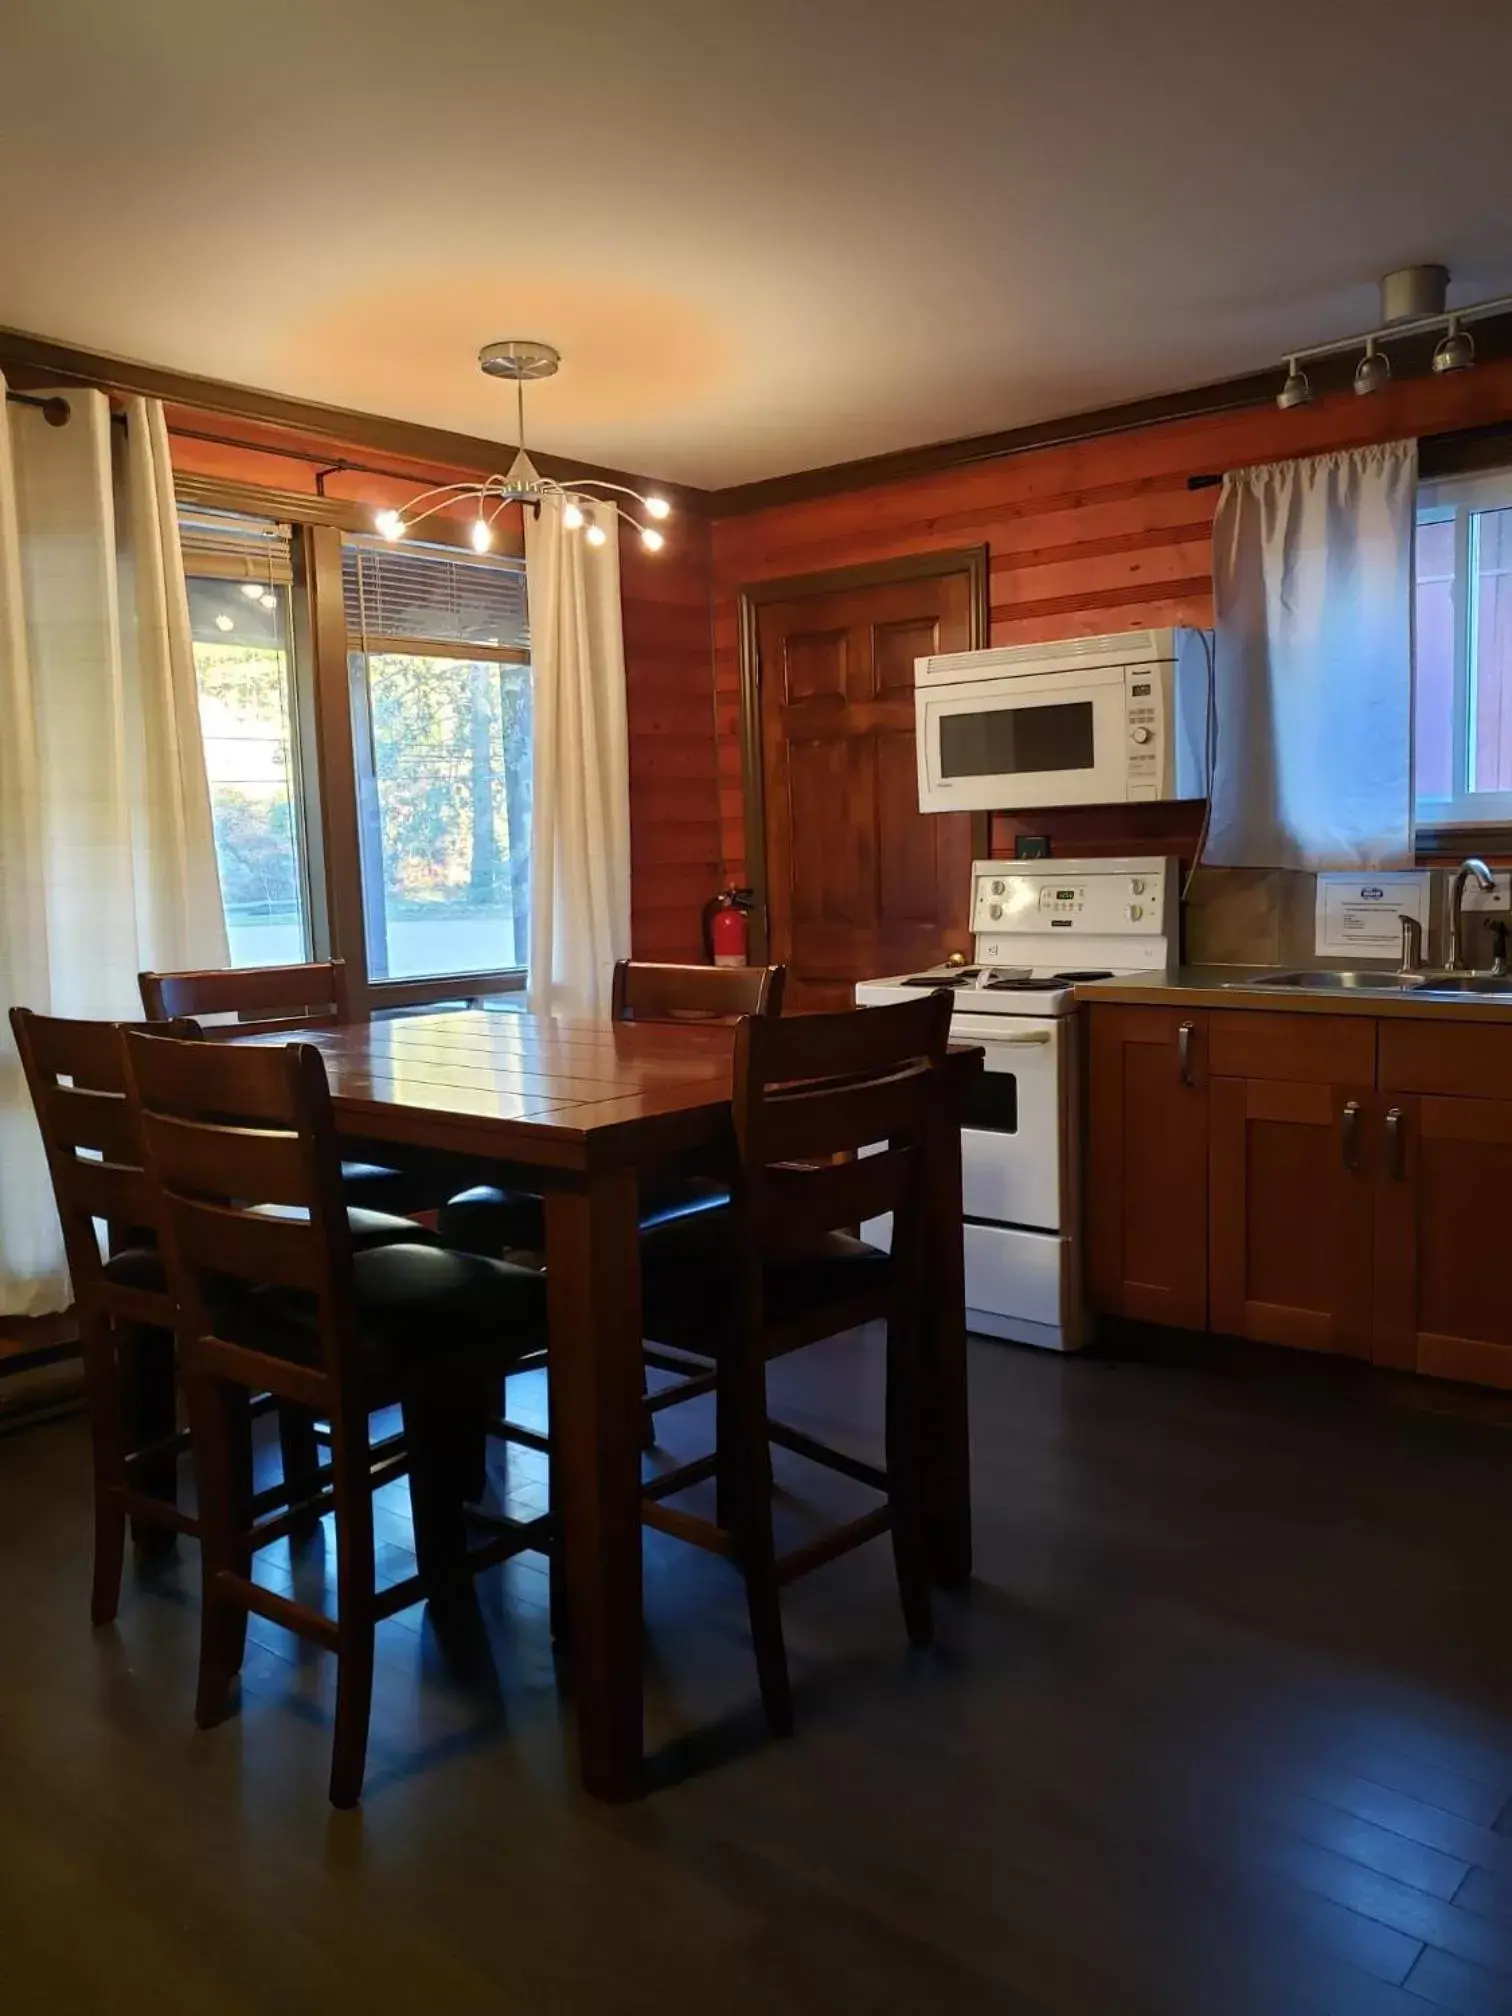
575, 1110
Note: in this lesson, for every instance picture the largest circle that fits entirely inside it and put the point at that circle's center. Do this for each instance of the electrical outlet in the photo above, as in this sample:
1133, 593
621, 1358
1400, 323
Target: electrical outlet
1499, 898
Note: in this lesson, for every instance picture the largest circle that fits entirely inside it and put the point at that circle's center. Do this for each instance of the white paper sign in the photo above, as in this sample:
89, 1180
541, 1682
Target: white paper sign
1362, 913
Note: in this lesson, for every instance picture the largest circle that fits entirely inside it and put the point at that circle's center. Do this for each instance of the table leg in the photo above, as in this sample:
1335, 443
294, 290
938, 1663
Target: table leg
947, 1428
593, 1284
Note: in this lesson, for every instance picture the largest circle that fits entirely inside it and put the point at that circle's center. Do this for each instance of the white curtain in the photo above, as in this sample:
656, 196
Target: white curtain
107, 857
1312, 579
580, 799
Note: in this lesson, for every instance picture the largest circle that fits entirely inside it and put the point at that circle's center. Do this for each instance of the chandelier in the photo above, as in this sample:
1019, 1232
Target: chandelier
582, 508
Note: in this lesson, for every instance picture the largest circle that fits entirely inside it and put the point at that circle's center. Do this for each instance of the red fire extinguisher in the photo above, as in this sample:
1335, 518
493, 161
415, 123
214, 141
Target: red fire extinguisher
726, 930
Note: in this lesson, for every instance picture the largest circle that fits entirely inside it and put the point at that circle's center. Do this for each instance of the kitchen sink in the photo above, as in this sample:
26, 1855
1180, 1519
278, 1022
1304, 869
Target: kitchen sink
1442, 986
1340, 983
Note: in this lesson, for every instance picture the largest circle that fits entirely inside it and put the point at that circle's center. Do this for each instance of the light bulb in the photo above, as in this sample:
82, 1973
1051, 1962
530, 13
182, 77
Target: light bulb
268, 601
224, 623
572, 515
658, 507
596, 535
252, 590
651, 539
481, 534
390, 524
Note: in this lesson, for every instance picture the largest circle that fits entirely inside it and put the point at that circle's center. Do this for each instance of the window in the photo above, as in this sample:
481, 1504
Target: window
1464, 651
439, 664
239, 579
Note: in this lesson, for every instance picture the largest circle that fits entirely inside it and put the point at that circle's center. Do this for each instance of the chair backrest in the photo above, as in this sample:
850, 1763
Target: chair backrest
644, 992
272, 998
833, 1115
229, 1129
76, 1074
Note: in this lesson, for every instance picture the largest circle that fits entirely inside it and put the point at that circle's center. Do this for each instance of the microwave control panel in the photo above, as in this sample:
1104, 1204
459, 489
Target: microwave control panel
1144, 720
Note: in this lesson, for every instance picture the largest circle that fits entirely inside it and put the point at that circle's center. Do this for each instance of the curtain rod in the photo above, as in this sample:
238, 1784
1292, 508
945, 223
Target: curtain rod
54, 409
325, 465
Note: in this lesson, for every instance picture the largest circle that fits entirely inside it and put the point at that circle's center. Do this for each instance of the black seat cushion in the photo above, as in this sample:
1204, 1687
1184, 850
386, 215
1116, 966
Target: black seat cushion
368, 1228
487, 1220
372, 1186
415, 1302
690, 1267
139, 1267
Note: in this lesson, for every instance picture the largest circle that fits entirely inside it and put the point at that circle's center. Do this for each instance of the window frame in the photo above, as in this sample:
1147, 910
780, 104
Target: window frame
1466, 814
326, 753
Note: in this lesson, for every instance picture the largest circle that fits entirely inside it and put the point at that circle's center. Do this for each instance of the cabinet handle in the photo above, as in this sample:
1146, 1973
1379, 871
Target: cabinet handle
1184, 1051
1349, 1133
1395, 1143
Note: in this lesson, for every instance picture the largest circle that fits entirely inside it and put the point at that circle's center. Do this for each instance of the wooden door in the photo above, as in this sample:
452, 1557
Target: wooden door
859, 882
1290, 1204
1445, 1176
1147, 1164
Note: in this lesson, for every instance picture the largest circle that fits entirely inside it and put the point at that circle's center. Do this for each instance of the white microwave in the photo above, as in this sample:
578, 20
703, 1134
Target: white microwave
1088, 721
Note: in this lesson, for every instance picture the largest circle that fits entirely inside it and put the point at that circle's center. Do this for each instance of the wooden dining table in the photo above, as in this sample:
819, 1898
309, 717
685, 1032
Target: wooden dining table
576, 1111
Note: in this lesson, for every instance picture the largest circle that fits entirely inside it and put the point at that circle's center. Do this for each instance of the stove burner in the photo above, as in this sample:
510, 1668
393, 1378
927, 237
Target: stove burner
1066, 979
961, 976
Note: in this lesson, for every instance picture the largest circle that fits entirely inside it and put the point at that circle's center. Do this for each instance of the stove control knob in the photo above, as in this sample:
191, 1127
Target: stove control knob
1136, 911
1140, 735
997, 890
1137, 885
994, 909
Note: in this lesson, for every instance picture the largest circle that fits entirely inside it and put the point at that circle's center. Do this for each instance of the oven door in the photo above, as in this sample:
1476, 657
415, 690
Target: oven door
1011, 1125
1007, 745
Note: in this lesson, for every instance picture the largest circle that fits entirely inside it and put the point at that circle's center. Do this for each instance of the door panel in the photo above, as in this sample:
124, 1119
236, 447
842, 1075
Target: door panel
1147, 1164
859, 882
1291, 1213
1445, 1167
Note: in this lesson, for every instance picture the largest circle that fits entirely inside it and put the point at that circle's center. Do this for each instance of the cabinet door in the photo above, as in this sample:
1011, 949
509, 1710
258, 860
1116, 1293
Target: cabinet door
1291, 1253
1442, 1302
1147, 1150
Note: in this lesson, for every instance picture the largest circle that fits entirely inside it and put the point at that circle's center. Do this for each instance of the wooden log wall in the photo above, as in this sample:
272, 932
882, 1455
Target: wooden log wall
1101, 535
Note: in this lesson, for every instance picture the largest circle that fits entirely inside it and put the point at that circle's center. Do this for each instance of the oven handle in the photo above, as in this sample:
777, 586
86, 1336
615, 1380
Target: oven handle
1019, 1042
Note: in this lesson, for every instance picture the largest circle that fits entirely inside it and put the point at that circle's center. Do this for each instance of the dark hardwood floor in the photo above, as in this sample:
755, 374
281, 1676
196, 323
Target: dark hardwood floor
1224, 1729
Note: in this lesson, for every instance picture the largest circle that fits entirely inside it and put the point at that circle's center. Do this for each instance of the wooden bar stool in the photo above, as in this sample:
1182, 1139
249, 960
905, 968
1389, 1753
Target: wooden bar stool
285, 1304
275, 999
779, 1271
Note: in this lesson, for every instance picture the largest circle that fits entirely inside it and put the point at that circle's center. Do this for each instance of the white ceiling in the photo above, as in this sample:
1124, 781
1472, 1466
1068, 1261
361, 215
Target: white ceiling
766, 234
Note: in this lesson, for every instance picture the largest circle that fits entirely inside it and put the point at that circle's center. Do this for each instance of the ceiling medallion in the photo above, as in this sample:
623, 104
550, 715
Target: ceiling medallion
518, 359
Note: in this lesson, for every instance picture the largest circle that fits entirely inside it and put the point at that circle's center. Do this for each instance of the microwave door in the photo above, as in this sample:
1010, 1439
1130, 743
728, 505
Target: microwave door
1011, 745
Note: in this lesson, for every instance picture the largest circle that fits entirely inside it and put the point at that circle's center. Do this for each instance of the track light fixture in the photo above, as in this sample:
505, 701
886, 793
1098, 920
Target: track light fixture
1456, 348
1373, 372
516, 360
1413, 303
1296, 391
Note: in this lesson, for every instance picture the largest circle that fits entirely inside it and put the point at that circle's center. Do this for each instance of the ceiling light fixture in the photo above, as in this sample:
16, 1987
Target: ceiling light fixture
1414, 303
1373, 371
253, 590
1456, 348
518, 360
1296, 391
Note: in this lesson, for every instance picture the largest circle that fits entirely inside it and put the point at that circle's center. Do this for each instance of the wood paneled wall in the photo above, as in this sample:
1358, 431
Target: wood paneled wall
674, 809
1102, 535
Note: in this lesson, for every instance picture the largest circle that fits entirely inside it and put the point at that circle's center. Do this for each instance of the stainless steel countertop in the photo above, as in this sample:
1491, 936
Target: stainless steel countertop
1232, 987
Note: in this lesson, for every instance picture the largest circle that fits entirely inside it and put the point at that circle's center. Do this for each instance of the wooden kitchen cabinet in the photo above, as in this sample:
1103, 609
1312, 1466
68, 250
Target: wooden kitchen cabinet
1146, 1181
1356, 1171
1445, 1181
1290, 1208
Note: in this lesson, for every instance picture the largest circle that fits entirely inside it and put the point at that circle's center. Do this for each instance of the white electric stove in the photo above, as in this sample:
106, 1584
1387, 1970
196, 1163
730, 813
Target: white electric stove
1038, 928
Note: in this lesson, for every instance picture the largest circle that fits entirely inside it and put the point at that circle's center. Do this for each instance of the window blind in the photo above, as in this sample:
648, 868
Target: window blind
225, 546
430, 595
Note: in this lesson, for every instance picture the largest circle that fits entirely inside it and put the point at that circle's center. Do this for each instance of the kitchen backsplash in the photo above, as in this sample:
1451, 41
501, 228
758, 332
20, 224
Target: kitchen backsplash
1265, 917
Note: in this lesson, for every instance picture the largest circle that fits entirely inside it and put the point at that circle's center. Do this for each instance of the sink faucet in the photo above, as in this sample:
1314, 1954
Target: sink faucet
1484, 880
